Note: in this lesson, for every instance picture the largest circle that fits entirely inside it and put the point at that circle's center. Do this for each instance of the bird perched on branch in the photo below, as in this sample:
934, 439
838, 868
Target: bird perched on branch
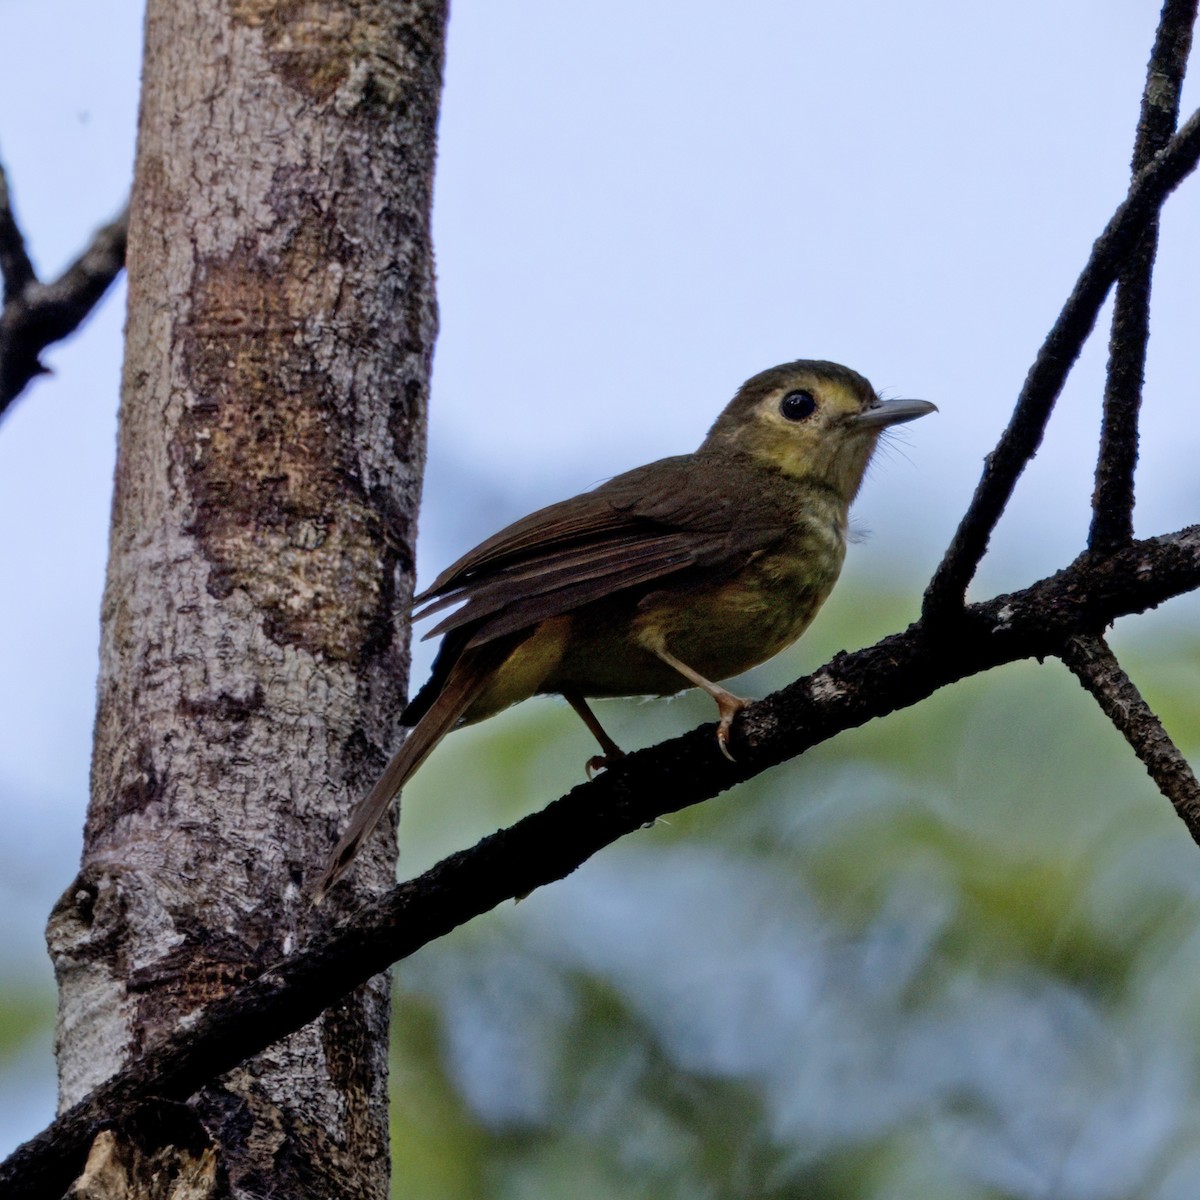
686, 571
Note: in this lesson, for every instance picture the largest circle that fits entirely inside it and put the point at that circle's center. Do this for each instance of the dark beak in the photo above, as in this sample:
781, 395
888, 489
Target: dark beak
891, 412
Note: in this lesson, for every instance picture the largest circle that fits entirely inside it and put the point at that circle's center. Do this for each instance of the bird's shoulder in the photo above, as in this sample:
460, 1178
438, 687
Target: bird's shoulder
706, 491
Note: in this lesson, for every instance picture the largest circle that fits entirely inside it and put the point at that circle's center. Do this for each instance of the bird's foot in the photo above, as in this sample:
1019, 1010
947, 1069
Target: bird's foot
728, 705
601, 762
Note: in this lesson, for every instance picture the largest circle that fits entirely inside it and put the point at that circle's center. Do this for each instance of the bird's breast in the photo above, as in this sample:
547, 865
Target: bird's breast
737, 623
719, 627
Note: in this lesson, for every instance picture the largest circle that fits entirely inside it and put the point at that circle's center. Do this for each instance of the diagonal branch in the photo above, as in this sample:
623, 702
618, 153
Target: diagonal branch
16, 271
34, 314
848, 691
1020, 440
1112, 499
1096, 667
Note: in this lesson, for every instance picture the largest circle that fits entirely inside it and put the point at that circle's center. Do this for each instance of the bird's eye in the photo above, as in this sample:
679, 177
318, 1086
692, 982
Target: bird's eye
798, 406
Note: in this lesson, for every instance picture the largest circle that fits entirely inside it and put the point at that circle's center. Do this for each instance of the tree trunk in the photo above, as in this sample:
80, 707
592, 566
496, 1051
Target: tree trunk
280, 331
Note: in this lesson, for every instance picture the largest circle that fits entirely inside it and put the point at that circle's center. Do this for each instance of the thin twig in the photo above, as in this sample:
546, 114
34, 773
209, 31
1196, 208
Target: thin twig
1096, 667
847, 692
35, 315
1112, 498
1021, 439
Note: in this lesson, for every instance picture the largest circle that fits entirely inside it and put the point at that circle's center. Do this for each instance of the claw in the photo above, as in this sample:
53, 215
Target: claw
729, 706
723, 738
601, 762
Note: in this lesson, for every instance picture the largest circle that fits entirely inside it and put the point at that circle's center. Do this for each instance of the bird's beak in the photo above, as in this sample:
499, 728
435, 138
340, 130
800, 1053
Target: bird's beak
891, 412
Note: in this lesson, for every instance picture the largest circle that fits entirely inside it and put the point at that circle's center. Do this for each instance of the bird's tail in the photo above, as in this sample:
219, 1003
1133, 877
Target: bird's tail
464, 684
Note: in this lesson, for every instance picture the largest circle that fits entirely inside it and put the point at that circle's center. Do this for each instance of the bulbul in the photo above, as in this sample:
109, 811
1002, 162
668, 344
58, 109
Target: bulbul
673, 575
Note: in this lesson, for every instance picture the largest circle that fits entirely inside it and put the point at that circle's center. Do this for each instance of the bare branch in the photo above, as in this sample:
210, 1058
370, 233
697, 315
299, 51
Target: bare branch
1112, 499
63, 304
1020, 440
848, 691
35, 315
1096, 667
16, 271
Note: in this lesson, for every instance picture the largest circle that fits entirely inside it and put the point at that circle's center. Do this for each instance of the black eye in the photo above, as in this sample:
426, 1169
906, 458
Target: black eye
798, 406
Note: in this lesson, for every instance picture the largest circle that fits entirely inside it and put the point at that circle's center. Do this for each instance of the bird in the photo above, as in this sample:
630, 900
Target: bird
676, 574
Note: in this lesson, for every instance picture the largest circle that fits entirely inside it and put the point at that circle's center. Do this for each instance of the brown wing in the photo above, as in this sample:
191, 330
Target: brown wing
631, 532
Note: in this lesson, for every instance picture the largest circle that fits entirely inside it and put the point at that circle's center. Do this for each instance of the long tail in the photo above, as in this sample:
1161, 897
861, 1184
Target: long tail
464, 684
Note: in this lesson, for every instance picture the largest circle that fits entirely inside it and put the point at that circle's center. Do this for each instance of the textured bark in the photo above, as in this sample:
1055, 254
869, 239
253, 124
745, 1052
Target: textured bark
280, 331
185, 1168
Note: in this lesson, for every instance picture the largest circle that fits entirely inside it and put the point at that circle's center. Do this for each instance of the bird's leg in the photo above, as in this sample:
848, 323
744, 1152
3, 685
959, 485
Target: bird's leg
612, 752
728, 705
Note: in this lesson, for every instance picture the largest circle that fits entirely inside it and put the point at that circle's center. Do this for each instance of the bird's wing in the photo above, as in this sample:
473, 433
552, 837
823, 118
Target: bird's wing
631, 532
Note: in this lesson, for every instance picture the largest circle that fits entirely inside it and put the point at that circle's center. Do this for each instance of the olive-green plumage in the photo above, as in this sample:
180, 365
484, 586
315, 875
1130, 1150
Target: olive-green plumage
675, 574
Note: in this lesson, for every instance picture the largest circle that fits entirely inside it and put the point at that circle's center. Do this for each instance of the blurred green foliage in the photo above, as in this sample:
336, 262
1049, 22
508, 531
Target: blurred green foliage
952, 955
24, 1014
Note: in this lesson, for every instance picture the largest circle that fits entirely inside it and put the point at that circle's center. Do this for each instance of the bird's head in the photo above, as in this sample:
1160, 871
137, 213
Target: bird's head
810, 420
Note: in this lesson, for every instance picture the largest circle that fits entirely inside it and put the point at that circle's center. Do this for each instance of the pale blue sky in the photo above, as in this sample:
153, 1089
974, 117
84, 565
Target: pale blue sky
639, 204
